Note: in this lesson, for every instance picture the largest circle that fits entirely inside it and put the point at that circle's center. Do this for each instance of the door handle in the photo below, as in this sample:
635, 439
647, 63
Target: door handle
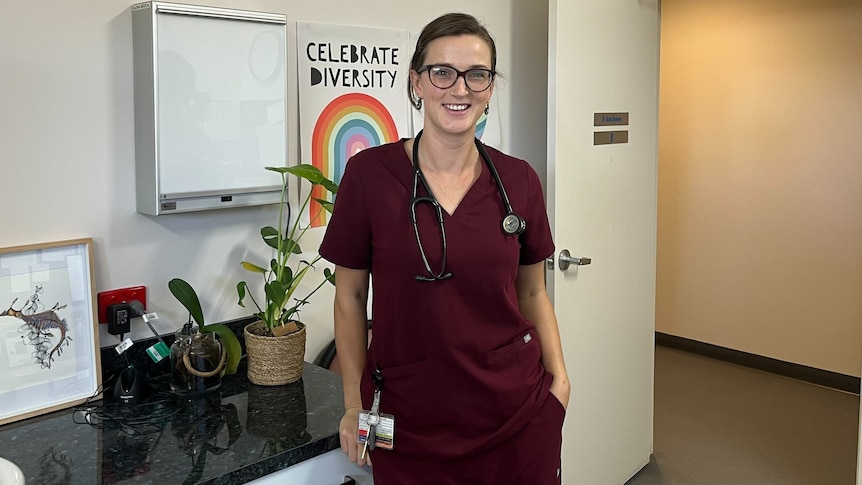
566, 259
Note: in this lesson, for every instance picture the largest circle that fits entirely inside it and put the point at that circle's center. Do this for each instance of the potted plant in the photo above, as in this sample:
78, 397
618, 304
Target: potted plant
198, 361
276, 343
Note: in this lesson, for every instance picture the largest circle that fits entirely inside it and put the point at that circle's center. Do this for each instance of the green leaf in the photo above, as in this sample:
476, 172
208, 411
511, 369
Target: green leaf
275, 291
240, 291
293, 245
327, 205
186, 295
295, 283
252, 267
230, 343
329, 275
270, 236
286, 276
306, 171
329, 185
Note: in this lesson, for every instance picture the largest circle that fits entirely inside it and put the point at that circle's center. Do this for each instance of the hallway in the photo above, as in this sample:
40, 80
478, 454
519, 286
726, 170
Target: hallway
722, 424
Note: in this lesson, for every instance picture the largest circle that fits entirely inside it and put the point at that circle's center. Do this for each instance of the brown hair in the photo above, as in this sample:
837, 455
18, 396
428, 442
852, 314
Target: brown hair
447, 25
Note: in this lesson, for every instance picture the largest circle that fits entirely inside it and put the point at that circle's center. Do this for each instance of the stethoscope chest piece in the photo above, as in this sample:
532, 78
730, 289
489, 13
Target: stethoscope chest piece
513, 224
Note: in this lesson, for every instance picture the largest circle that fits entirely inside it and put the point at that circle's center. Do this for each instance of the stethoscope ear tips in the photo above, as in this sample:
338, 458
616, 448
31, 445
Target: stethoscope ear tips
513, 224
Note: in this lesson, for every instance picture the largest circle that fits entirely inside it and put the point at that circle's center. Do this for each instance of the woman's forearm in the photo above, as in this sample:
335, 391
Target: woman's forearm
536, 307
351, 330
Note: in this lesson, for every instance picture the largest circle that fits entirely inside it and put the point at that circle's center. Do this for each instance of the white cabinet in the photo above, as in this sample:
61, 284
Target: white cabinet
327, 469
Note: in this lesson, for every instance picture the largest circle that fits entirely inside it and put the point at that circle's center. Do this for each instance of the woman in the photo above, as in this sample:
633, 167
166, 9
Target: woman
466, 356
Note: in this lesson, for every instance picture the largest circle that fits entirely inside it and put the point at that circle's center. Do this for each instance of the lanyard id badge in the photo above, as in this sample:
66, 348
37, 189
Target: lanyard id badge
376, 429
384, 429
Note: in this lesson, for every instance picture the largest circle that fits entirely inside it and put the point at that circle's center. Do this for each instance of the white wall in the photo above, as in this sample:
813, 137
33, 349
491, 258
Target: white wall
66, 132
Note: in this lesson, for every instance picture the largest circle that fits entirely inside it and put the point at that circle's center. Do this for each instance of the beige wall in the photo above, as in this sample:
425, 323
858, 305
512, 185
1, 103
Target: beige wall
760, 178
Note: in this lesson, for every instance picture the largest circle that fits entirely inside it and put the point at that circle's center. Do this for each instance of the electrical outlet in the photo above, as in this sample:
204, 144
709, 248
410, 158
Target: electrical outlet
121, 295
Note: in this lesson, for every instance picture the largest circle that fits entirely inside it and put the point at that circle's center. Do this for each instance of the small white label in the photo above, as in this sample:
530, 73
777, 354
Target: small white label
149, 317
527, 338
124, 345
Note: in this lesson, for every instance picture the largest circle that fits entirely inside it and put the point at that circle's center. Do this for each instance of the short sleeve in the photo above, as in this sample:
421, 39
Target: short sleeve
347, 241
537, 243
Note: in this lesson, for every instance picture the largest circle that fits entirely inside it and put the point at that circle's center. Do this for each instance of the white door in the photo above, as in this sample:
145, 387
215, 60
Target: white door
603, 58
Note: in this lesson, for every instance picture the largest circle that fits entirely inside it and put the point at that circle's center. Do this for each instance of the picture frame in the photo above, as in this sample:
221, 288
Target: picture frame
49, 338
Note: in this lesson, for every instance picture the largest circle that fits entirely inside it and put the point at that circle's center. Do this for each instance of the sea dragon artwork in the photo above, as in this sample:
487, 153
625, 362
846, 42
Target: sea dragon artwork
38, 326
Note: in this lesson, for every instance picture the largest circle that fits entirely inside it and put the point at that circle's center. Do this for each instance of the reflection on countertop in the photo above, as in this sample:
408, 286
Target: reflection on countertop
233, 435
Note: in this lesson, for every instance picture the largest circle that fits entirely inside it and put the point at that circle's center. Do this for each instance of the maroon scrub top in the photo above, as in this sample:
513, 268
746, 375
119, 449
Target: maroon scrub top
461, 365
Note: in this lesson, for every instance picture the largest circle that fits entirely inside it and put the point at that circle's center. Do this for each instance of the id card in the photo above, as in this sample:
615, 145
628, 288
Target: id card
384, 431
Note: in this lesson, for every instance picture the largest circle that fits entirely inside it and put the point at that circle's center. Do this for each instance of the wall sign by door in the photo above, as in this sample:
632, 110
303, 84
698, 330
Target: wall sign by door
610, 137
610, 119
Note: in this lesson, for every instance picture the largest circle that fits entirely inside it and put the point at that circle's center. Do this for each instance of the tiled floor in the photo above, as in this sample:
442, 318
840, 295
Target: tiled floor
718, 423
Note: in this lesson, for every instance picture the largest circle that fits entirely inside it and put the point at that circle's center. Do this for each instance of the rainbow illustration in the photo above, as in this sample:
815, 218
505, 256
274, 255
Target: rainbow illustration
480, 125
349, 124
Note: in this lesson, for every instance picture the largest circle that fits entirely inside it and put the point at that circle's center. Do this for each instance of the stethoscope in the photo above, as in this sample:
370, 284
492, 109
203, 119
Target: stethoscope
512, 223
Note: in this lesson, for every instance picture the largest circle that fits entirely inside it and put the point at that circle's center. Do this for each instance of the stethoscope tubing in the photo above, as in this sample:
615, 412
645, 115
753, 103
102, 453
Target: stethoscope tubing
442, 275
487, 158
512, 224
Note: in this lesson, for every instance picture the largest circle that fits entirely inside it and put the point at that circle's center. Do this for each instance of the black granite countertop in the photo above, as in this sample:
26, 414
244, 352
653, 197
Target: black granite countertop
232, 435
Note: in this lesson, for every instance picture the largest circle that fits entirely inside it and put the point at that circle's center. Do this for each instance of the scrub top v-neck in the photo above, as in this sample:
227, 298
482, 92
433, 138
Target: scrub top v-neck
461, 364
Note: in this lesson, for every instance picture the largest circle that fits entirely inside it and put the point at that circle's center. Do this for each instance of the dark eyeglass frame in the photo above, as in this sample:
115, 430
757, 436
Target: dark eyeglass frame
458, 74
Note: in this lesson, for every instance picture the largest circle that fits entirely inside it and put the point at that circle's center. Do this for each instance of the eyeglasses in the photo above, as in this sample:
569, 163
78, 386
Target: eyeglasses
444, 77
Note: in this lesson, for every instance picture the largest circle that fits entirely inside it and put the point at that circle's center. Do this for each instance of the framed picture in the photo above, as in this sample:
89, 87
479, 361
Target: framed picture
49, 340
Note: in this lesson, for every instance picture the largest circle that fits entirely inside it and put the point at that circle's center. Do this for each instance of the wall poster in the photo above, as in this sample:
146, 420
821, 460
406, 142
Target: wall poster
352, 95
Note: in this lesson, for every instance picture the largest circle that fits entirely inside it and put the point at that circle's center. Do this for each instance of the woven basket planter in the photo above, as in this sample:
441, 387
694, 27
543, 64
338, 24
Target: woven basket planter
274, 361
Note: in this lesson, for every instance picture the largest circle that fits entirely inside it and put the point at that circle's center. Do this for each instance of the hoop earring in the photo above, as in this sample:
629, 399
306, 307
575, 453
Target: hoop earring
418, 104
487, 108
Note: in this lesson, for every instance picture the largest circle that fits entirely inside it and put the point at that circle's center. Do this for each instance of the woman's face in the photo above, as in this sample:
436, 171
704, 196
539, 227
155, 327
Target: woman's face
454, 110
